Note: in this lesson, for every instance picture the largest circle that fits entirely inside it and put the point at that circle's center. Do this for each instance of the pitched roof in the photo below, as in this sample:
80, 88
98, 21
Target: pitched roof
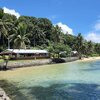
74, 52
29, 51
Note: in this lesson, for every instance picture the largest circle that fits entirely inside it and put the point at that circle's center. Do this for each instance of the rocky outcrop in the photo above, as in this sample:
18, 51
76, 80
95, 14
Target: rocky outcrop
3, 95
63, 60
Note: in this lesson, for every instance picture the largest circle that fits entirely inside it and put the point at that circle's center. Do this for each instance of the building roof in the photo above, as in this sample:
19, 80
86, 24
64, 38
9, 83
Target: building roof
75, 52
25, 51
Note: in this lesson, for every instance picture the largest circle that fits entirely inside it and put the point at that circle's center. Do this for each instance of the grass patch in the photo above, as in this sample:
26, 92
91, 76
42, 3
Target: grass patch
1, 60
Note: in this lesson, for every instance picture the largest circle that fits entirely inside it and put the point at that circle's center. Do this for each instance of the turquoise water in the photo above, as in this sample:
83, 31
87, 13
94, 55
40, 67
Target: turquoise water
71, 81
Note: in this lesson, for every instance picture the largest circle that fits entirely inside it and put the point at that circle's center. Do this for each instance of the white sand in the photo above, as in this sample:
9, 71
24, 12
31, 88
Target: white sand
90, 59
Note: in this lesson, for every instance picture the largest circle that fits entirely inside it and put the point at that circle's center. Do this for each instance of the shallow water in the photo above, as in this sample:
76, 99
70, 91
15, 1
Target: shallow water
70, 81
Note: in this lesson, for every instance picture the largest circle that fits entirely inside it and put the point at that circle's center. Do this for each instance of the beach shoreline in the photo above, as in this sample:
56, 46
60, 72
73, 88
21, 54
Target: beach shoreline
39, 63
22, 68
48, 64
89, 59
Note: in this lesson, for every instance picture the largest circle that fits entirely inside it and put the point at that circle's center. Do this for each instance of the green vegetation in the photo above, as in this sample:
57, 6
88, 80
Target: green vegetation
1, 60
31, 33
4, 60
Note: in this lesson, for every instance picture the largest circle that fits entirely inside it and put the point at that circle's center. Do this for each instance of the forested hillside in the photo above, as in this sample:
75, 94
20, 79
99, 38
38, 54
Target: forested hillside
39, 33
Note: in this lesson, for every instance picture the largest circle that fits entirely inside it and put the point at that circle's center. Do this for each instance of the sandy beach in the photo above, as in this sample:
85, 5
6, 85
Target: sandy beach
90, 59
29, 70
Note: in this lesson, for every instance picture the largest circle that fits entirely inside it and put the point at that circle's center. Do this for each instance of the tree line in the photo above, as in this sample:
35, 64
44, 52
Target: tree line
39, 33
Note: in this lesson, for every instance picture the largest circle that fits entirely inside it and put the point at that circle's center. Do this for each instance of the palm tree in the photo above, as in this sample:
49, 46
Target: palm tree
79, 44
57, 34
3, 32
20, 38
97, 48
90, 47
1, 13
38, 35
85, 48
6, 26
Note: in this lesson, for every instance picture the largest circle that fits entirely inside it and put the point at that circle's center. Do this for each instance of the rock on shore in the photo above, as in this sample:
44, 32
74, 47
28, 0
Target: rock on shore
3, 95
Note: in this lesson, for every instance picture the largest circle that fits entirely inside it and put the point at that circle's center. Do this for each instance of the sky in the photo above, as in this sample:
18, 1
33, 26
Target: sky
73, 16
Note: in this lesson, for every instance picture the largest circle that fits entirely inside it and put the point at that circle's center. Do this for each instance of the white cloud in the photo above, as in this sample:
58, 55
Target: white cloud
65, 28
95, 37
11, 11
97, 26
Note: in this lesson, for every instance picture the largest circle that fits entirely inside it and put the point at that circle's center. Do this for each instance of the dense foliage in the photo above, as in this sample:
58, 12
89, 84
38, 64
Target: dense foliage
31, 32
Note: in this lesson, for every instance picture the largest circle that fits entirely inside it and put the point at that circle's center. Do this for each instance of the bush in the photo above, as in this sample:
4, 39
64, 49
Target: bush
94, 55
0, 57
5, 57
63, 55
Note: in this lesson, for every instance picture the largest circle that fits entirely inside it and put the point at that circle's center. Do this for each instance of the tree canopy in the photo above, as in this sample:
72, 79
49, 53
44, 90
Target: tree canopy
31, 32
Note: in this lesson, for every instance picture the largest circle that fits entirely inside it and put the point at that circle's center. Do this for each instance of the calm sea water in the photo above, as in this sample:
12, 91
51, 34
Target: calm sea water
71, 81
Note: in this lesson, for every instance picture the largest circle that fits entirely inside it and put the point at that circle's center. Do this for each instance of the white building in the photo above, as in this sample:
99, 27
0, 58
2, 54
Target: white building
25, 53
